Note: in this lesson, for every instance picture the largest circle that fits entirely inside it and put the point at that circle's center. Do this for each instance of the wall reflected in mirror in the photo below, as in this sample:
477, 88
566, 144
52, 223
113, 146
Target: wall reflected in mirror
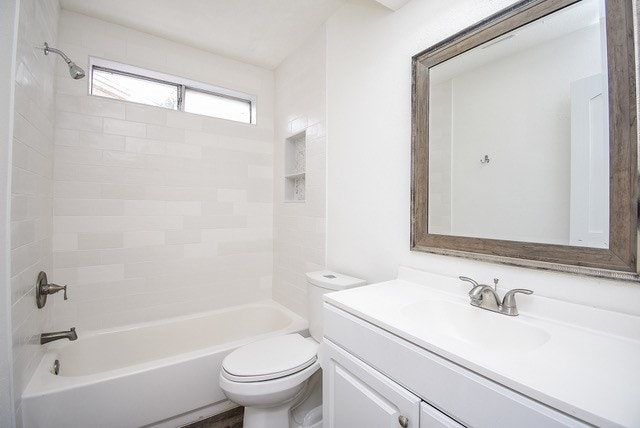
519, 134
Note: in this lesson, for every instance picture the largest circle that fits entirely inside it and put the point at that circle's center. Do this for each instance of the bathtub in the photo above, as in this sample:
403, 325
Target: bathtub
162, 374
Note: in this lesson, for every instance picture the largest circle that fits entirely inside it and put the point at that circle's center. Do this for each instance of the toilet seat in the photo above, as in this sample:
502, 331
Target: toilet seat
269, 359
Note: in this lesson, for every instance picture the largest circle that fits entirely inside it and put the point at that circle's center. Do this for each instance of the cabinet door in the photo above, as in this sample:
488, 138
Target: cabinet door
430, 417
356, 395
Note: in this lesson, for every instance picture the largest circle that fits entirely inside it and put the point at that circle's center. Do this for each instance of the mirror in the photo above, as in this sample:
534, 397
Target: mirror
524, 141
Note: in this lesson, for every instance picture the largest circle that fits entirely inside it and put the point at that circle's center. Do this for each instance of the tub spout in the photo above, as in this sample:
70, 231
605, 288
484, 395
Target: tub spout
57, 335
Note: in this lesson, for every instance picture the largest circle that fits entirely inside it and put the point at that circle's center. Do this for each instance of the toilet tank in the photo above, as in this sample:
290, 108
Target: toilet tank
319, 283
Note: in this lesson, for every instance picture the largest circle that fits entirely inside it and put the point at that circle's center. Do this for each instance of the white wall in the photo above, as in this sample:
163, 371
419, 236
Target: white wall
156, 212
8, 36
299, 228
369, 152
31, 184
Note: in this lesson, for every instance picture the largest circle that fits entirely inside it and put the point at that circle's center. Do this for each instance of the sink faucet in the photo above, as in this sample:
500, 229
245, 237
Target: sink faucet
57, 335
486, 297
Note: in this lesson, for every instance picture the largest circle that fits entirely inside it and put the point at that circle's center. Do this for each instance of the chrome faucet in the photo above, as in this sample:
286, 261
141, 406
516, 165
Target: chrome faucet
57, 335
486, 297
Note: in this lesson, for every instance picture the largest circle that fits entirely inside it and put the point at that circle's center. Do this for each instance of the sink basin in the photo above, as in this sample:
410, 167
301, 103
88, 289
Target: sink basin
474, 326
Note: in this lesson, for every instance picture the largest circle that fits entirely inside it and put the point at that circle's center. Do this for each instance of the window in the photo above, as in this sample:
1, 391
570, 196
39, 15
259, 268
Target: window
128, 83
129, 87
217, 105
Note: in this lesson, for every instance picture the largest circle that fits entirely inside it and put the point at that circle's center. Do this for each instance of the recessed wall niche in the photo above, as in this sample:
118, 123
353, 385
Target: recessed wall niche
295, 153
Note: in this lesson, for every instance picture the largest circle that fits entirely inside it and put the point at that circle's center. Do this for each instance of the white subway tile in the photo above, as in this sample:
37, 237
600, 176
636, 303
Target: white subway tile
76, 190
164, 133
199, 251
23, 182
93, 274
101, 141
189, 236
83, 155
142, 177
20, 155
173, 174
145, 146
261, 172
88, 173
260, 190
123, 127
22, 257
87, 207
183, 208
266, 282
140, 270
100, 240
25, 132
144, 208
65, 241
183, 120
122, 191
184, 150
215, 222
232, 195
74, 138
143, 238
19, 207
39, 206
99, 106
79, 122
200, 138
123, 159
217, 208
74, 259
146, 114
22, 233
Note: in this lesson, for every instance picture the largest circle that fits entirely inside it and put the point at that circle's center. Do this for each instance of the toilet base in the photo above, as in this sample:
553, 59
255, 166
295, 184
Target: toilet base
303, 411
306, 411
272, 417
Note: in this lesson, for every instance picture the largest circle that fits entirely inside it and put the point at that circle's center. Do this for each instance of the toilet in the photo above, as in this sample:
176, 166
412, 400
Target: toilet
278, 380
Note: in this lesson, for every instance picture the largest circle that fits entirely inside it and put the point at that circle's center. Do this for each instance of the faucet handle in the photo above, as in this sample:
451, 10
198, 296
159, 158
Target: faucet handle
509, 301
54, 288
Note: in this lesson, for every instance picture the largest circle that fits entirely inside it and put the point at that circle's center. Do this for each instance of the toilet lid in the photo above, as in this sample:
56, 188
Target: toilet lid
270, 358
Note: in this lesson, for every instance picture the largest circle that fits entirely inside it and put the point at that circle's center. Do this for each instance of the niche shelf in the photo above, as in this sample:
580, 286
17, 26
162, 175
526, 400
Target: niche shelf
295, 154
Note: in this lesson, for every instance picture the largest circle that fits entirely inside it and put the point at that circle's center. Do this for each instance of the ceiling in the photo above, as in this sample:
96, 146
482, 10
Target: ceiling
260, 32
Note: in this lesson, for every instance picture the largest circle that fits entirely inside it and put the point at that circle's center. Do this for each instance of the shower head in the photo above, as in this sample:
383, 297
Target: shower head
75, 71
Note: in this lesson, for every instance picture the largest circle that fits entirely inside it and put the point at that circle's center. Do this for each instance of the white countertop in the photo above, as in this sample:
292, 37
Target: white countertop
588, 365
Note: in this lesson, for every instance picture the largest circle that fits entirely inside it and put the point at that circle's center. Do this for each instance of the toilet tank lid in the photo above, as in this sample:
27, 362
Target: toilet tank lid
333, 280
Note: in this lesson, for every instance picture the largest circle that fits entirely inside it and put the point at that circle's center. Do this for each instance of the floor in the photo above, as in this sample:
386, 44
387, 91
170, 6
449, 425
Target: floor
229, 419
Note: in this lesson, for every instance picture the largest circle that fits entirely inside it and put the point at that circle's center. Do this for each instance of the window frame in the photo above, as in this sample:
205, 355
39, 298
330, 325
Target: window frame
181, 84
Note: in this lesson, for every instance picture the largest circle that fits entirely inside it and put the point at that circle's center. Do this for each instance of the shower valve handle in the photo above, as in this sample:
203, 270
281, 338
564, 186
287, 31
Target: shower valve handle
54, 288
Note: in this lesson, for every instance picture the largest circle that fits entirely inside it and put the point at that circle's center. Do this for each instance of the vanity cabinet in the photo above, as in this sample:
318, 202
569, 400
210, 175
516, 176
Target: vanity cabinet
356, 395
372, 378
359, 396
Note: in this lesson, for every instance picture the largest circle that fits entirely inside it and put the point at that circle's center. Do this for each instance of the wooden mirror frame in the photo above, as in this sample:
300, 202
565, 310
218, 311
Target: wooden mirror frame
619, 261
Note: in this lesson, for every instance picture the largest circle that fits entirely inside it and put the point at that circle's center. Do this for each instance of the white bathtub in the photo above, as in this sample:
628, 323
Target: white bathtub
163, 373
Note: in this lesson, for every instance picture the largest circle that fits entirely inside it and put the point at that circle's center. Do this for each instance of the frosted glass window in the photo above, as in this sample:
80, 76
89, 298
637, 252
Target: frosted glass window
130, 83
110, 84
216, 105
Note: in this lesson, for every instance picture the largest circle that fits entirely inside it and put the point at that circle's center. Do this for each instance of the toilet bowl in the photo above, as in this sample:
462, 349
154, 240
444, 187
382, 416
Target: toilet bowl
276, 379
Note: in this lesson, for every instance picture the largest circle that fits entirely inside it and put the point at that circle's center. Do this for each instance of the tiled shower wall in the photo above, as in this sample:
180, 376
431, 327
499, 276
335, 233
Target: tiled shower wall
299, 227
32, 184
157, 212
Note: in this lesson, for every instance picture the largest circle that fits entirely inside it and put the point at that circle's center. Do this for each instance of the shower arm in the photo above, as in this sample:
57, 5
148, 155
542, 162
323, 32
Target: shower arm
75, 71
47, 49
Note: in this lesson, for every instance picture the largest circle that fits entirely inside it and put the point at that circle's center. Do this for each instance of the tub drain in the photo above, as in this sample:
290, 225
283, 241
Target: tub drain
56, 367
